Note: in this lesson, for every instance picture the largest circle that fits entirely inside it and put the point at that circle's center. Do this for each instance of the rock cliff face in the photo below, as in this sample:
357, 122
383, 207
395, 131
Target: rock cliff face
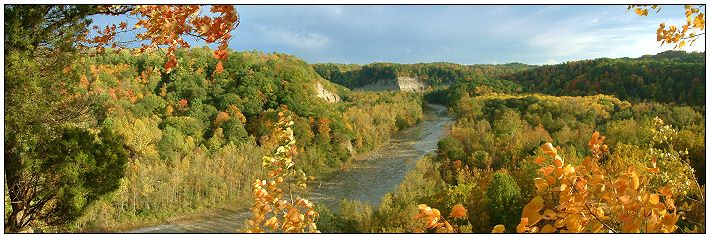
406, 84
325, 94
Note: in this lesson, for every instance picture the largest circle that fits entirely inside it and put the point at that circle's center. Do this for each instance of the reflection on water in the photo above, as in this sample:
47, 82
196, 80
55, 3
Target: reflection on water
367, 179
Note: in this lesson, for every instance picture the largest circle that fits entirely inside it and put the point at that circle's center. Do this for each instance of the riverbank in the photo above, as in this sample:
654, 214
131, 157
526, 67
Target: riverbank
367, 177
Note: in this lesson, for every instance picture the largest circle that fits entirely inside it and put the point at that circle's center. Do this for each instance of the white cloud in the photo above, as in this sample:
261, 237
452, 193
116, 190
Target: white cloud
298, 39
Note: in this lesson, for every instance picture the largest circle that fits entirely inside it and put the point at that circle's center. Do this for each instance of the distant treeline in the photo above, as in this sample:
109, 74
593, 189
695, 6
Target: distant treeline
671, 76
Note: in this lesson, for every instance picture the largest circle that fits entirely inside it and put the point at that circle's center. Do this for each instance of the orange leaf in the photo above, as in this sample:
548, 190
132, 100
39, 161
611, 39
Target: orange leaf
539, 160
540, 184
219, 69
458, 211
666, 191
220, 54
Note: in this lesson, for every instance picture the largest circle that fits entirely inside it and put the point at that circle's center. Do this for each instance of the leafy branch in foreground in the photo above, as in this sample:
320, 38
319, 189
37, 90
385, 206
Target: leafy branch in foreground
272, 211
686, 33
586, 198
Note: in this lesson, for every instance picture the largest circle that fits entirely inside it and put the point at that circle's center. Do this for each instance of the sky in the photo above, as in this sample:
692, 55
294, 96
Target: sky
469, 34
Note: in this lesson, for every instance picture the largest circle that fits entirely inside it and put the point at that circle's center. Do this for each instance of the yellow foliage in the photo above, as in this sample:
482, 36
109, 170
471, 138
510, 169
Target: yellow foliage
589, 202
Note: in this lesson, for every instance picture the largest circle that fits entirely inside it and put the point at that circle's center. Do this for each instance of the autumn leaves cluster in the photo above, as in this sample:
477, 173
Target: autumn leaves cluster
680, 36
166, 26
434, 221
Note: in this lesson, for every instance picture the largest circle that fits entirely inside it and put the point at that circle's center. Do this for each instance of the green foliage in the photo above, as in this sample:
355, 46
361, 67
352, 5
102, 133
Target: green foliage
450, 149
190, 118
504, 200
79, 168
508, 124
39, 106
435, 74
667, 77
234, 131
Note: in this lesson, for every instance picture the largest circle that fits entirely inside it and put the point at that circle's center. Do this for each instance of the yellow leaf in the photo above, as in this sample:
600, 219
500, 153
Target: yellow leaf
541, 184
272, 222
635, 180
550, 214
531, 211
569, 169
548, 229
498, 229
669, 221
560, 223
436, 212
641, 12
630, 227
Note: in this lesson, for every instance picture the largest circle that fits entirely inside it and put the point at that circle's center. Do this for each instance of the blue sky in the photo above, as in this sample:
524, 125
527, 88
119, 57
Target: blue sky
480, 34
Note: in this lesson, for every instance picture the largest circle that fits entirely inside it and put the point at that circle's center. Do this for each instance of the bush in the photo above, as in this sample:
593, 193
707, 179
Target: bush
505, 201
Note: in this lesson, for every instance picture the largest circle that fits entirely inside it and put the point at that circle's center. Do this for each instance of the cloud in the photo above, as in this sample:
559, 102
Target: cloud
460, 34
298, 39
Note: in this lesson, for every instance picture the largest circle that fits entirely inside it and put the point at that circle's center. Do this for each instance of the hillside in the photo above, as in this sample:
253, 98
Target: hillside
666, 77
390, 75
196, 137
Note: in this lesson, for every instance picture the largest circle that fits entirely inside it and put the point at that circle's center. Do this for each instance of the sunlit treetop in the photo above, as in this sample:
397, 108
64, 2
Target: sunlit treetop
166, 26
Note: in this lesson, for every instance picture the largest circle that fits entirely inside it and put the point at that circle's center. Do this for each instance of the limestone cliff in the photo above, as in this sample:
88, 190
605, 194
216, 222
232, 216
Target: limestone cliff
323, 93
406, 84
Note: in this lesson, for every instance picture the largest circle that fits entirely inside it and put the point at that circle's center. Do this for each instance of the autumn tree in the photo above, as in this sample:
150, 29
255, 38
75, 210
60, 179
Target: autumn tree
40, 42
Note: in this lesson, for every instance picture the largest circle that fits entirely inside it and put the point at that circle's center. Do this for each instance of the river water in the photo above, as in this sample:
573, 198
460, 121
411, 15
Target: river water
367, 179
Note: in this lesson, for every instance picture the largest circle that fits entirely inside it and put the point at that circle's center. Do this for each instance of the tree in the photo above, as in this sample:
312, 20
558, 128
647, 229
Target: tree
504, 200
41, 41
79, 167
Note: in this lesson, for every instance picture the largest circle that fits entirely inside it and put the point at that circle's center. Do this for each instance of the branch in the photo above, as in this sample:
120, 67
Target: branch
590, 209
695, 36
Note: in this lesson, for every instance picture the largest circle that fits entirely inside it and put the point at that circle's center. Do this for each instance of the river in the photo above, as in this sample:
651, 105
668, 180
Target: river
367, 179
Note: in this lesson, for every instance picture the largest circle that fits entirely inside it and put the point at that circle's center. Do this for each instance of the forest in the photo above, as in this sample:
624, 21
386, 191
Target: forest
108, 138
